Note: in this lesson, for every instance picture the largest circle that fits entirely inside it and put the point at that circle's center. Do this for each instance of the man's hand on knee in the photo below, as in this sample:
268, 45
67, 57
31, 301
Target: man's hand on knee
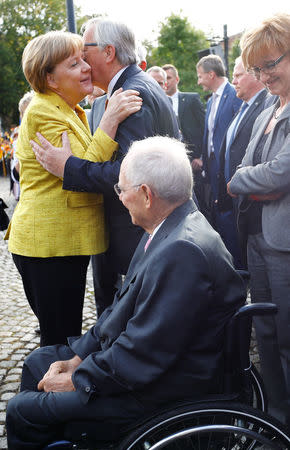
58, 377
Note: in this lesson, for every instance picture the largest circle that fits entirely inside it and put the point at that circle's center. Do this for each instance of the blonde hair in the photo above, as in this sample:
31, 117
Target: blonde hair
272, 33
44, 52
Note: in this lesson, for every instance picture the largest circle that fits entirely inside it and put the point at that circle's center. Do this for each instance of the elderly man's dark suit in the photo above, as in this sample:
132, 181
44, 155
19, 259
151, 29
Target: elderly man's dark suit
235, 155
156, 117
161, 340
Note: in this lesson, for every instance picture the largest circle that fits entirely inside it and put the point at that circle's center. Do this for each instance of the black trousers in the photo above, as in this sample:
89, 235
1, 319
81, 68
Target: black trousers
55, 289
35, 418
106, 281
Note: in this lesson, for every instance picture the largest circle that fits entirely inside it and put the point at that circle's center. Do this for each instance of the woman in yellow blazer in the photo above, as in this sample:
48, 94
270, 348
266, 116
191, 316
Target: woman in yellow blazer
53, 231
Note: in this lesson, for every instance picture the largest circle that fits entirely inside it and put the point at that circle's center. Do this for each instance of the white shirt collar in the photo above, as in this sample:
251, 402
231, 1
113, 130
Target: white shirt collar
175, 94
114, 81
220, 89
156, 229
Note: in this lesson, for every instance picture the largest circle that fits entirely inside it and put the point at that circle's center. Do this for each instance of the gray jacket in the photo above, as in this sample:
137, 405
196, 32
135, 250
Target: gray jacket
272, 175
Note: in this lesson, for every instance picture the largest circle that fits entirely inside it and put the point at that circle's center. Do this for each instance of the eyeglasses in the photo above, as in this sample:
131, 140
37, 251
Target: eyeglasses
119, 190
91, 44
267, 68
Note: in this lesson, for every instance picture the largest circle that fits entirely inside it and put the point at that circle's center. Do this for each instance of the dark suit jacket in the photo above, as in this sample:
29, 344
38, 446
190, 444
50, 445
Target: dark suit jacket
191, 121
96, 113
228, 106
156, 117
163, 336
238, 148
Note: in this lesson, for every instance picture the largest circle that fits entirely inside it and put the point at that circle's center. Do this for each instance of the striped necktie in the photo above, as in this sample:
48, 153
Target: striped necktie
147, 243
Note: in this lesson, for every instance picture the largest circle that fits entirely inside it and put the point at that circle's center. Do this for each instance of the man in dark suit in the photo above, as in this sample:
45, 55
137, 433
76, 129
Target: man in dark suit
162, 339
221, 107
189, 111
234, 144
110, 50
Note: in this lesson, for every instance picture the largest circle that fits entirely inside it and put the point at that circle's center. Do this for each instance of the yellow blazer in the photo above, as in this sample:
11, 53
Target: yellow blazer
49, 221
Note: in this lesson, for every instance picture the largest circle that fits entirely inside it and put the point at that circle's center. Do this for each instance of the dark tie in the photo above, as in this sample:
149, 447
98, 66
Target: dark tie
232, 137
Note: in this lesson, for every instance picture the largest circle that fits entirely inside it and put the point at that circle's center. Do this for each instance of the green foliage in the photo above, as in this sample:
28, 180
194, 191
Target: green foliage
21, 20
178, 44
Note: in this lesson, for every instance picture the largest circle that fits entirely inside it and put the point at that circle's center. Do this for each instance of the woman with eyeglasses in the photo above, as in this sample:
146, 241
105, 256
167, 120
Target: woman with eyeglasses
263, 185
53, 231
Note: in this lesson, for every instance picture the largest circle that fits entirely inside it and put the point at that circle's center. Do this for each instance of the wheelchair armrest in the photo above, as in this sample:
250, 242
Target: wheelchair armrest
255, 309
244, 274
238, 336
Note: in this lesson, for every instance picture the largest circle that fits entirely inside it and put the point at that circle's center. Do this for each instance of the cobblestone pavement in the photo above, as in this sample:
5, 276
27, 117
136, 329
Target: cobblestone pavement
17, 322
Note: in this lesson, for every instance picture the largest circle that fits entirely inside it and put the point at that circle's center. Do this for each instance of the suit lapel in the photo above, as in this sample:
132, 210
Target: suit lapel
128, 72
221, 103
140, 256
181, 104
250, 112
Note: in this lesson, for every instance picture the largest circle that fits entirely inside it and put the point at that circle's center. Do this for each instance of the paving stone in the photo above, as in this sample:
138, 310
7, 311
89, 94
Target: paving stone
3, 443
9, 387
7, 395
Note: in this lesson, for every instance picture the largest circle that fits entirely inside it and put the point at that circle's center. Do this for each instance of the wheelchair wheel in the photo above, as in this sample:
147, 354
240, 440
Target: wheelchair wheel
259, 396
209, 426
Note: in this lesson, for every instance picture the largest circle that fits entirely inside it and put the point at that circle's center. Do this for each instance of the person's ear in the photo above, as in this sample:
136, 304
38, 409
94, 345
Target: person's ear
110, 53
148, 195
50, 81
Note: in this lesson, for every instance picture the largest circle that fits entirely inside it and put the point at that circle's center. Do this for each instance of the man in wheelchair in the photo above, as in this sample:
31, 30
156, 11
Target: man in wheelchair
162, 339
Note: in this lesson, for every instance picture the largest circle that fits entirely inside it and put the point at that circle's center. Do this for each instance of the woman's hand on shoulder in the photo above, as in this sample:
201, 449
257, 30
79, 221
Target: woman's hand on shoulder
122, 104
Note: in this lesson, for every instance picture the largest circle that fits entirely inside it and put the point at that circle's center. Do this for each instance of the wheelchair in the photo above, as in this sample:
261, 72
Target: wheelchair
237, 419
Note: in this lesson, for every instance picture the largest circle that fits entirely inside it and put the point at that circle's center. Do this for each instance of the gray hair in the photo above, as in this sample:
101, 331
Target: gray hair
141, 53
24, 102
158, 69
161, 163
108, 32
212, 63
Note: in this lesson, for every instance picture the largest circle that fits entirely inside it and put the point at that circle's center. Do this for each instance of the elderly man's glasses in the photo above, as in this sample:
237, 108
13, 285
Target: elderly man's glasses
119, 190
267, 68
91, 44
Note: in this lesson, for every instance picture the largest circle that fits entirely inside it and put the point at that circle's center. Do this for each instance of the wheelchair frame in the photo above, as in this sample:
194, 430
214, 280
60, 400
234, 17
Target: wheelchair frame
217, 423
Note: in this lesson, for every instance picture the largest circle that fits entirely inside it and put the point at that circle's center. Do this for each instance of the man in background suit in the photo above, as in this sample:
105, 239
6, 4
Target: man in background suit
188, 110
253, 93
159, 75
190, 115
162, 339
110, 50
221, 107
